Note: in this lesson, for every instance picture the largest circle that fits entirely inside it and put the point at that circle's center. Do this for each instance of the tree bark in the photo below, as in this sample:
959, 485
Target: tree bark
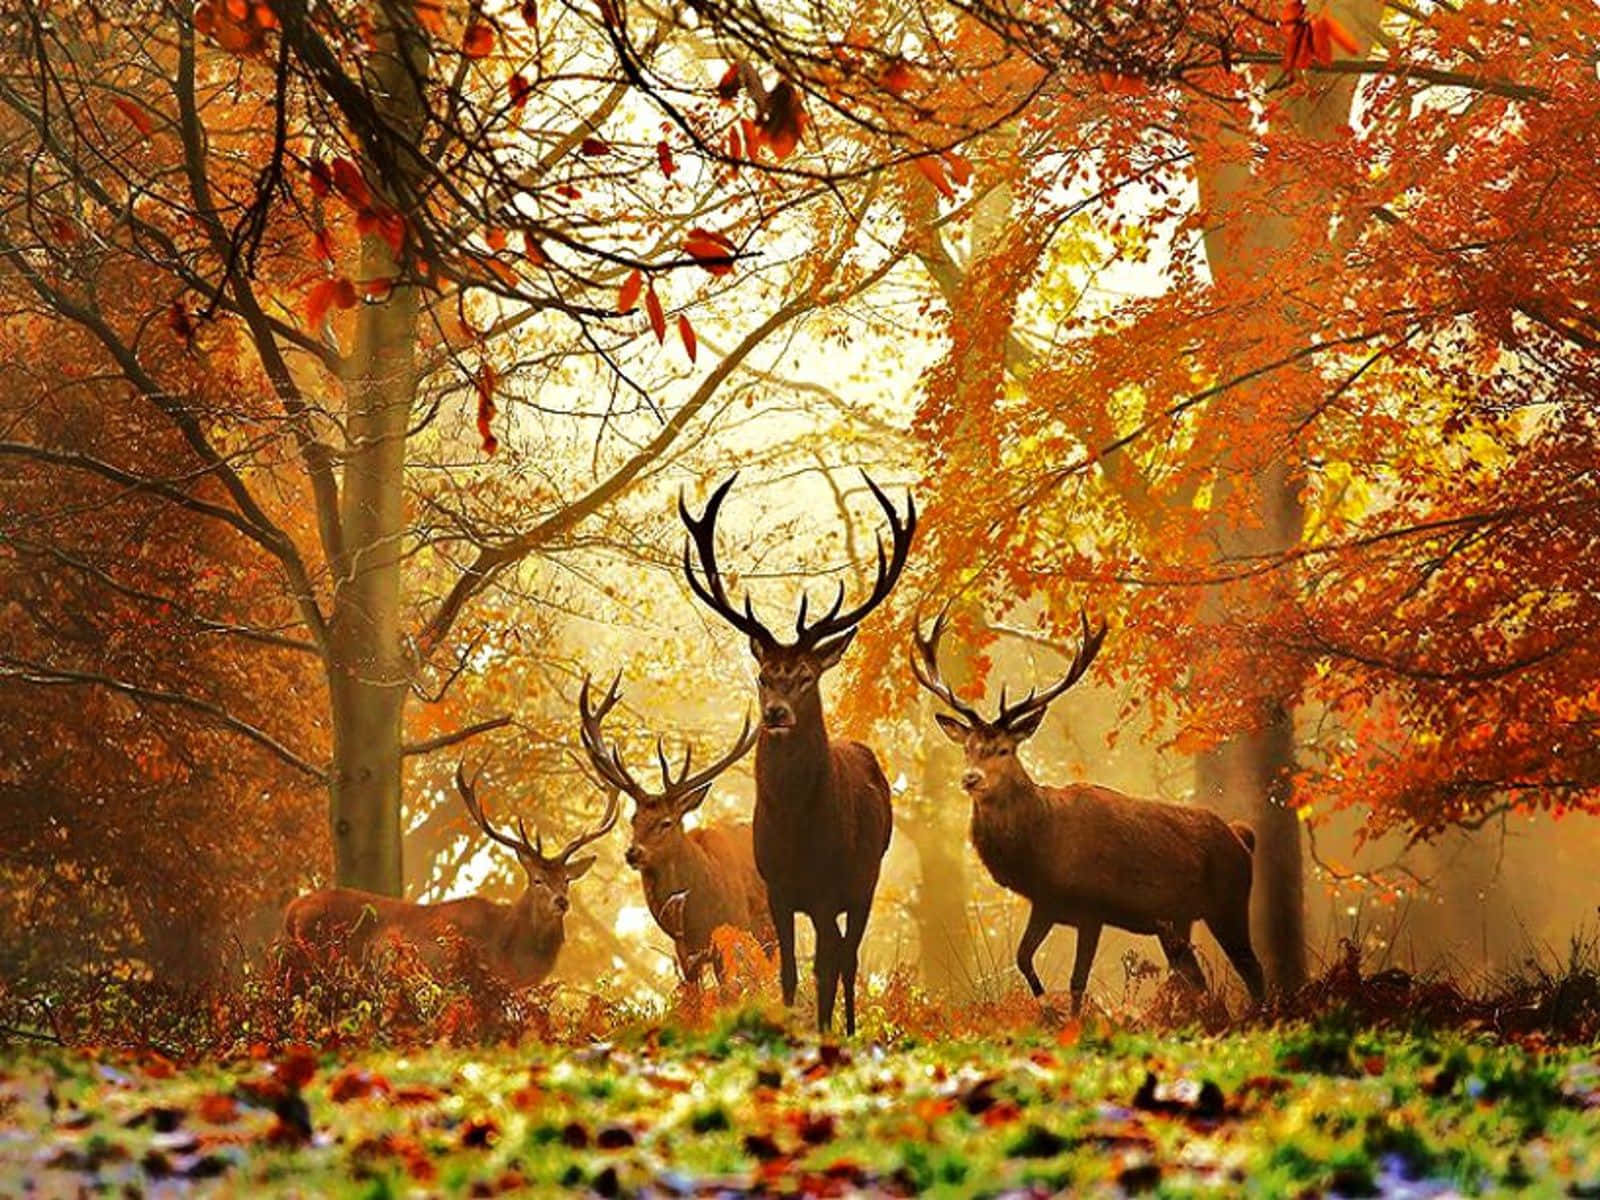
1250, 774
938, 834
367, 665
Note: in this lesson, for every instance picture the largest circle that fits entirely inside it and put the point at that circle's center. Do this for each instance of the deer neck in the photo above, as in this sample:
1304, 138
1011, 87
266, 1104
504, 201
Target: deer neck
529, 946
1011, 810
684, 869
799, 762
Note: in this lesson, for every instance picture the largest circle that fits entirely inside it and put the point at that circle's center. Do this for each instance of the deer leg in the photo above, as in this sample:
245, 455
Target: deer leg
1232, 932
788, 973
855, 927
830, 949
1177, 944
1039, 926
1083, 959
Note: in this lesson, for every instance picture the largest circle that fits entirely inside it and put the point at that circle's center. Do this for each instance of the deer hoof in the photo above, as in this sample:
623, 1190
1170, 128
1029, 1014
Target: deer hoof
1053, 1016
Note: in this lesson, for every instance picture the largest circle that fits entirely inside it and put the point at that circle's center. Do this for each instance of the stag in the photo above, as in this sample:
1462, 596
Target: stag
694, 880
1088, 856
822, 817
517, 943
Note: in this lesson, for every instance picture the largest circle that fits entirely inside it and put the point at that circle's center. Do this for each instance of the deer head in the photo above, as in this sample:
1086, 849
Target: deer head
789, 674
991, 746
548, 875
657, 816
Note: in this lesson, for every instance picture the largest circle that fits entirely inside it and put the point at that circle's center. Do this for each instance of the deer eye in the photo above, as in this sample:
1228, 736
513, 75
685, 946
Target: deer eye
664, 824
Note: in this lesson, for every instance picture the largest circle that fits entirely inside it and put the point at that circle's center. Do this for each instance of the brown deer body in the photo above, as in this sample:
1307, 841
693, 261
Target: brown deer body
695, 880
1088, 856
514, 942
517, 943
822, 816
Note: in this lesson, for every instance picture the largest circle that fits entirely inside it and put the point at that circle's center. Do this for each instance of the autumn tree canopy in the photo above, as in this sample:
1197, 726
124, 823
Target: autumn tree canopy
381, 338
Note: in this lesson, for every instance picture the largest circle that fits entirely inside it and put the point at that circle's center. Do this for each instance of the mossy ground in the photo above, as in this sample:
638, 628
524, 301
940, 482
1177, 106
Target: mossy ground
752, 1105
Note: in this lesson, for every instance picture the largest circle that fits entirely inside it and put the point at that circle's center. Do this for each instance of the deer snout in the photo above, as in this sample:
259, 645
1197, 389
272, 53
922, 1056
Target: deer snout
972, 780
777, 716
634, 857
562, 904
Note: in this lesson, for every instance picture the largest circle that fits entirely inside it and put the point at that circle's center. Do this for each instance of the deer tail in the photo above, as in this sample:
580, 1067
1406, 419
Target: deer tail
1245, 834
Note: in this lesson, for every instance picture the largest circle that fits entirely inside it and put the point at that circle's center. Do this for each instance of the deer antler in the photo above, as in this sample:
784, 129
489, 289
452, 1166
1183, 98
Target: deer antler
889, 567
925, 666
613, 810
608, 761
469, 796
685, 785
702, 541
1035, 702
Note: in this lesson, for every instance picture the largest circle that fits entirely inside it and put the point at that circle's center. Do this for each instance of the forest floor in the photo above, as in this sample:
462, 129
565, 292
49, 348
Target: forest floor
749, 1105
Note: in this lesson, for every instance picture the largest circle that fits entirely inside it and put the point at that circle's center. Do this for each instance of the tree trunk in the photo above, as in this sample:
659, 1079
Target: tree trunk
939, 836
1250, 774
367, 662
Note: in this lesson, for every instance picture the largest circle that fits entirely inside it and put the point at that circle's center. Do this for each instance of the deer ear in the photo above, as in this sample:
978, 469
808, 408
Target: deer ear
577, 868
757, 649
1028, 726
694, 799
953, 727
829, 653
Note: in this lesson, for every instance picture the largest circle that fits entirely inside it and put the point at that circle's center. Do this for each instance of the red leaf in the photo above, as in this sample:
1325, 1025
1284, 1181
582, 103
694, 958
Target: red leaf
783, 120
347, 179
593, 147
344, 293
958, 168
137, 117
628, 294
686, 332
752, 137
296, 1068
356, 1084
374, 290
1321, 45
478, 42
520, 90
322, 242
1341, 36
567, 191
320, 176
728, 85
898, 78
664, 157
933, 171
710, 250
385, 223
231, 27
535, 252
179, 322
1120, 85
318, 301
484, 381
658, 319
430, 15
496, 237
734, 151
216, 1109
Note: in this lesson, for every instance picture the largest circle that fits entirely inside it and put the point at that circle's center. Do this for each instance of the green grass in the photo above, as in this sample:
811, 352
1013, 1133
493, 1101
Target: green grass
1298, 1110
